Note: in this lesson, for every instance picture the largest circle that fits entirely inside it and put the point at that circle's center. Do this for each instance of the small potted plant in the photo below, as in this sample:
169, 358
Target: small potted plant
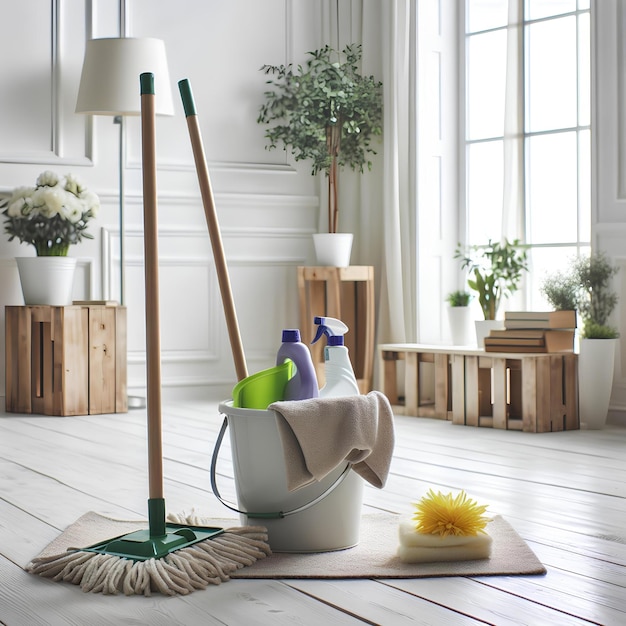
596, 360
51, 216
587, 287
495, 271
327, 112
459, 317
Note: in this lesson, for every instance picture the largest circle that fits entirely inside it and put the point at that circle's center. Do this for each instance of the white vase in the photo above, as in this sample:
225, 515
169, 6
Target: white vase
333, 249
47, 280
460, 319
596, 363
483, 328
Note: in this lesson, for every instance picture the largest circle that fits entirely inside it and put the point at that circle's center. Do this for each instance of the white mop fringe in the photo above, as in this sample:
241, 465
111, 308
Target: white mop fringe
208, 562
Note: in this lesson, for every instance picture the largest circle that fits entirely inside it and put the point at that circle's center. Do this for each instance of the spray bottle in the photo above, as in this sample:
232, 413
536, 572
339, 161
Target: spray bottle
303, 384
340, 378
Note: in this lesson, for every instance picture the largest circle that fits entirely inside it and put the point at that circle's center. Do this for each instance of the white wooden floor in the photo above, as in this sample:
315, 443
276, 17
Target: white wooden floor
565, 494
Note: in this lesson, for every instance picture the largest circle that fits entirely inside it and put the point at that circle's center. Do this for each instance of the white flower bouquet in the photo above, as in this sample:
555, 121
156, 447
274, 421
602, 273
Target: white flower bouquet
52, 215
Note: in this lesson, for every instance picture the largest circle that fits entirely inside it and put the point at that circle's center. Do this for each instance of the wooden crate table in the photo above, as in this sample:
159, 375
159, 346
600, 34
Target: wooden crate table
515, 391
345, 293
66, 360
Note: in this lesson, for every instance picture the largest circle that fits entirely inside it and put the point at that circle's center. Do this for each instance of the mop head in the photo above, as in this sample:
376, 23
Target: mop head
208, 562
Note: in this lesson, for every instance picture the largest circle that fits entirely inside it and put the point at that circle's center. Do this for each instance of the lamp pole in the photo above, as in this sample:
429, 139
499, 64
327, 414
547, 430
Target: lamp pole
119, 119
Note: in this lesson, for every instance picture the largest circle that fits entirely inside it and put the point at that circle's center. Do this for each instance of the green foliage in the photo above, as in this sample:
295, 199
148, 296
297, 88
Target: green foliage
597, 298
325, 111
561, 291
587, 287
592, 330
495, 271
459, 298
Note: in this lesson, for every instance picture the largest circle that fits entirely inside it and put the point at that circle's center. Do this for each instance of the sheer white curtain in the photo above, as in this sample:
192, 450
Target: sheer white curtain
513, 191
398, 301
384, 221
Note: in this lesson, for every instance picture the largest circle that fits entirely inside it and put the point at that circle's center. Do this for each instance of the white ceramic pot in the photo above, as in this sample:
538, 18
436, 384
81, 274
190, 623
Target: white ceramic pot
333, 249
460, 318
596, 364
47, 280
483, 328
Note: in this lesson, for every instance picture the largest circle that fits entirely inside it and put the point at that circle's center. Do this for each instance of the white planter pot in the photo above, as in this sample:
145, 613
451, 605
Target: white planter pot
47, 280
461, 329
483, 328
333, 249
596, 365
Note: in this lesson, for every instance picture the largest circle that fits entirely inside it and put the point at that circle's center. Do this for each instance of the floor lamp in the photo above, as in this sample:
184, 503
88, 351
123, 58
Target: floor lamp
109, 85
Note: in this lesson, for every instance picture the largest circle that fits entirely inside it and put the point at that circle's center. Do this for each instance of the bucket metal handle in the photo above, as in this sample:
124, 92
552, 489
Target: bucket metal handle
270, 515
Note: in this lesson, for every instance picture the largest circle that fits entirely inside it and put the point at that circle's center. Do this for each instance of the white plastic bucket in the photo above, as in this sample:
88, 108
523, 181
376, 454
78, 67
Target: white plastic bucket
313, 521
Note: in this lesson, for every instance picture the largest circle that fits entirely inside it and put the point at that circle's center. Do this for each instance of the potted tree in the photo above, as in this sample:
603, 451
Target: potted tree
596, 359
459, 317
495, 272
327, 112
587, 288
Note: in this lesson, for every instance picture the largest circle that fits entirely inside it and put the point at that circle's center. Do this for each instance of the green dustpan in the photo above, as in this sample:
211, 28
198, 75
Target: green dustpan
261, 389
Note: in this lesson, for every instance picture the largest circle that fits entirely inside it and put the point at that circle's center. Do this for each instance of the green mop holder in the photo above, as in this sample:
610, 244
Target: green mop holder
157, 541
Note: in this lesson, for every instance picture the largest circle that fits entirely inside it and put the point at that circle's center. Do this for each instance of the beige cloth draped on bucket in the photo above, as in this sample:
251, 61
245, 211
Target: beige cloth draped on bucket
321, 433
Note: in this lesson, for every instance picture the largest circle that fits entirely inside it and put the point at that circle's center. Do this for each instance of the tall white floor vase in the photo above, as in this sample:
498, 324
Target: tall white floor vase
47, 280
596, 363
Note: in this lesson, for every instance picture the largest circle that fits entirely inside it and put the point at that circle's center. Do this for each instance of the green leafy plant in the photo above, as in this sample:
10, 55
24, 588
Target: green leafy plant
326, 112
459, 298
598, 331
597, 299
495, 271
586, 287
561, 291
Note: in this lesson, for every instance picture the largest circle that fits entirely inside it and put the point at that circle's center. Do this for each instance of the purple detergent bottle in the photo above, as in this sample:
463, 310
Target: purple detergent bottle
303, 384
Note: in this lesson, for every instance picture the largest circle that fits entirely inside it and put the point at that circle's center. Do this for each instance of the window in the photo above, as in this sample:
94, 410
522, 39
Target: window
534, 81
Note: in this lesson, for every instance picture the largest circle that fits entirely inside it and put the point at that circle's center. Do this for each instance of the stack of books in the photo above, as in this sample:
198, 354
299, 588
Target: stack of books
534, 331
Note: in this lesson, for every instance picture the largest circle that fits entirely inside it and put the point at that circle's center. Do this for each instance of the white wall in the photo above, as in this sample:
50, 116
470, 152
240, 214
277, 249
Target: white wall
609, 162
267, 206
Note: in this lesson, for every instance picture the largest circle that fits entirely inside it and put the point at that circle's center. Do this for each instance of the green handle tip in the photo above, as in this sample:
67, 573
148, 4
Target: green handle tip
187, 97
147, 83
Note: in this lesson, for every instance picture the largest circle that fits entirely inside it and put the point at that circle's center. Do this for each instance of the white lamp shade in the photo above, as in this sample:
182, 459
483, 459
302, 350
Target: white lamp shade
109, 83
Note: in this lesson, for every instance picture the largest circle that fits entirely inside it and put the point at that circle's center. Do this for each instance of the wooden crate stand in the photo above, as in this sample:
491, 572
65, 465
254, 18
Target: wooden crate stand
433, 402
66, 360
529, 392
534, 393
345, 293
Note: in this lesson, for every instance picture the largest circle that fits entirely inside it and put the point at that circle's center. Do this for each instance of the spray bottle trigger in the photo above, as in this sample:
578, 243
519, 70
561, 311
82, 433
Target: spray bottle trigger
321, 330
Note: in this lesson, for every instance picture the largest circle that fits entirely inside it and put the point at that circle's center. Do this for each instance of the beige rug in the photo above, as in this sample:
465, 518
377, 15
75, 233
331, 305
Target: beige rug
374, 557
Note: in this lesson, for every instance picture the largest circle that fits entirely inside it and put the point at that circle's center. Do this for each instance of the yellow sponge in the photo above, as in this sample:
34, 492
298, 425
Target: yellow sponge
416, 547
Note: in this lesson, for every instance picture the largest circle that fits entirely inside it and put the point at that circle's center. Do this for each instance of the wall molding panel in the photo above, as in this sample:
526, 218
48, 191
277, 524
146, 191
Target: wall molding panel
43, 128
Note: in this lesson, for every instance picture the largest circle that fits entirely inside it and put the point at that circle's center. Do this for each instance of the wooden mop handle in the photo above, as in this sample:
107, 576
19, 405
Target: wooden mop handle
151, 262
214, 229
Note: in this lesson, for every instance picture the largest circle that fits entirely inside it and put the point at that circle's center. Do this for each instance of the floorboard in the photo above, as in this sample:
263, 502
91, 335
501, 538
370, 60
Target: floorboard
564, 493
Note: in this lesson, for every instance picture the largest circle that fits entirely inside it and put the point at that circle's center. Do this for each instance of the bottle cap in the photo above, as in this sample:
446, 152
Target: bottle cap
291, 335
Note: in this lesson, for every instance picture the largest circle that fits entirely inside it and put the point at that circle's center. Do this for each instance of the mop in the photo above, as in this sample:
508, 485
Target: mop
166, 557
